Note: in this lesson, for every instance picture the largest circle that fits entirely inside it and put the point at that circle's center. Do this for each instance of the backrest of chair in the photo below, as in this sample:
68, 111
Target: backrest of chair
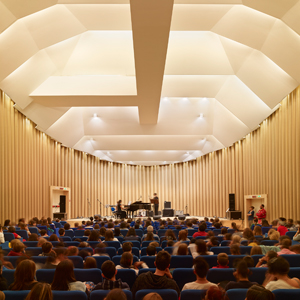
166, 294
141, 271
257, 274
225, 243
237, 294
116, 259
244, 243
120, 239
164, 244
12, 259
22, 233
94, 275
294, 272
30, 243
144, 250
232, 258
101, 294
192, 294
294, 260
39, 259
218, 275
100, 260
115, 244
135, 244
145, 244
139, 232
45, 275
79, 232
124, 231
33, 230
127, 275
245, 249
65, 238
9, 276
216, 231
265, 229
212, 260
169, 249
256, 258
161, 232
69, 295
149, 260
181, 261
291, 234
34, 251
217, 250
69, 232
282, 294
183, 276
111, 251
15, 295
8, 236
135, 251
77, 261
269, 242
93, 244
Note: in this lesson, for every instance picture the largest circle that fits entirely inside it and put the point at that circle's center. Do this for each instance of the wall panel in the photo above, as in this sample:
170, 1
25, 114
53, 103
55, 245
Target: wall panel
266, 161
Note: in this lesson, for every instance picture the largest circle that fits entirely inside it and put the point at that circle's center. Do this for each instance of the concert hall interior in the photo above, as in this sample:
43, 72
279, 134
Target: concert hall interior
114, 100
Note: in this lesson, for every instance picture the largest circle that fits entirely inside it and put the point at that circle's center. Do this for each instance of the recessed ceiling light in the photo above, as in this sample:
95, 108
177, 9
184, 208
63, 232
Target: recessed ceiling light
95, 115
165, 98
164, 162
201, 116
188, 153
185, 98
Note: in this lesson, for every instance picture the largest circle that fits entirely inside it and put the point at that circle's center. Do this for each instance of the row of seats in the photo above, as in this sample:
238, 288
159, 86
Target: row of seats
180, 275
234, 294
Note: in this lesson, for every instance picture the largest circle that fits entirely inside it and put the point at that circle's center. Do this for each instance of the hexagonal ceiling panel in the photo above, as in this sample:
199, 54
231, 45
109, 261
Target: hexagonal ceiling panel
148, 81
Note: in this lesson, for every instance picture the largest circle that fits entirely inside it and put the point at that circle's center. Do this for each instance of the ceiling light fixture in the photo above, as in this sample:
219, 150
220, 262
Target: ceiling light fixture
95, 115
201, 116
185, 98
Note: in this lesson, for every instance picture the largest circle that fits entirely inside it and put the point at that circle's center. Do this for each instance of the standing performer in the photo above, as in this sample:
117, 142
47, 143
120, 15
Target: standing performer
250, 216
155, 205
261, 214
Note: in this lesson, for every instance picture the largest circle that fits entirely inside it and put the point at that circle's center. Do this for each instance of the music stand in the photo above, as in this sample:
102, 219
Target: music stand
154, 201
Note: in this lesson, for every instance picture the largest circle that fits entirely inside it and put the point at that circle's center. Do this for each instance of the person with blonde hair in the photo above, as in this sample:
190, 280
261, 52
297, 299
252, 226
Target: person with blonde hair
17, 248
152, 296
24, 276
41, 291
273, 234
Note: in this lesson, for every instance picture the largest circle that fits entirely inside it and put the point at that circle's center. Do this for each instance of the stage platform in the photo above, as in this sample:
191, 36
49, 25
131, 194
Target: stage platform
225, 222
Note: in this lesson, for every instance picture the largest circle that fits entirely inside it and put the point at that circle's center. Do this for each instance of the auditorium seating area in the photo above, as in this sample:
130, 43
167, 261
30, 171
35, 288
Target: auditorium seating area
181, 265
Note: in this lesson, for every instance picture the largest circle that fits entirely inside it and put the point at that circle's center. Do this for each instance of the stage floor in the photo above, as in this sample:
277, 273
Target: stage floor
225, 222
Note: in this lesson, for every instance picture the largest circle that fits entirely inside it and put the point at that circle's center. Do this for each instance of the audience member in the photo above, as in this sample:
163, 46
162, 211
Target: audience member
110, 282
151, 251
33, 237
161, 279
90, 263
262, 262
249, 261
152, 296
256, 250
277, 275
94, 236
285, 247
258, 292
126, 262
40, 291
216, 293
46, 248
223, 261
116, 294
296, 237
235, 249
199, 248
281, 228
201, 231
17, 248
131, 235
241, 274
64, 278
12, 230
24, 276
3, 281
201, 268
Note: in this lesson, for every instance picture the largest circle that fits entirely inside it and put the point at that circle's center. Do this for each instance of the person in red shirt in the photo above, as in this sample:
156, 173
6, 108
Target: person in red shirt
201, 231
12, 230
261, 214
281, 228
223, 261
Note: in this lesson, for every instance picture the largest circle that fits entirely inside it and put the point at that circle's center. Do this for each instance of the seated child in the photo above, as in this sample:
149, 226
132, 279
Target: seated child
223, 261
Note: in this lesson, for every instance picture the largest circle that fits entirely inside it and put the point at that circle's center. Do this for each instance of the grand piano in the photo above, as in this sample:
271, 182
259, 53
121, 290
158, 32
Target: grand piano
136, 206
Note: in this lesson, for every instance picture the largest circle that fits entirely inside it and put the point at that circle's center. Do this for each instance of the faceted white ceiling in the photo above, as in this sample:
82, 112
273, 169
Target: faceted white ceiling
148, 81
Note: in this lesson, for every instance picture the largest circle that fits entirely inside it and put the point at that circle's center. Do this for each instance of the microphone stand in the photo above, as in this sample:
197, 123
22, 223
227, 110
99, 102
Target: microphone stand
186, 207
100, 207
89, 203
